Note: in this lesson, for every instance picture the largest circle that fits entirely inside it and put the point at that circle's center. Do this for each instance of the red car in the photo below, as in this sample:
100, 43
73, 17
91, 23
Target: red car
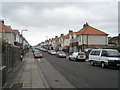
38, 55
45, 50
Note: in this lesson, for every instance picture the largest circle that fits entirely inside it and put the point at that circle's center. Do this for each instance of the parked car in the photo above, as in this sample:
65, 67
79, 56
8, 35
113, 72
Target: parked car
104, 57
45, 50
61, 54
38, 54
81, 56
49, 51
53, 52
35, 50
73, 56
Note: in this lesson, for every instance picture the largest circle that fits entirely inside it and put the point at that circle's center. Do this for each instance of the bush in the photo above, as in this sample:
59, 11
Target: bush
3, 44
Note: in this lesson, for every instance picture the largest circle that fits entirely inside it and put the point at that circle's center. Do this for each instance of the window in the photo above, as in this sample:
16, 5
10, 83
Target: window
97, 53
92, 53
104, 53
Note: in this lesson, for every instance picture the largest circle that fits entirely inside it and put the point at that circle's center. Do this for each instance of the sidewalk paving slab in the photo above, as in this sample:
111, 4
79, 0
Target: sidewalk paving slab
28, 74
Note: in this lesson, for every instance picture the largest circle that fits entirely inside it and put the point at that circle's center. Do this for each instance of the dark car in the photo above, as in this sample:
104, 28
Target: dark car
38, 54
35, 50
61, 54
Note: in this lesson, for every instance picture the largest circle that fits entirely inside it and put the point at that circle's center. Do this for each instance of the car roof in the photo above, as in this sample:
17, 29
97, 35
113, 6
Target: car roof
37, 52
81, 52
75, 52
104, 49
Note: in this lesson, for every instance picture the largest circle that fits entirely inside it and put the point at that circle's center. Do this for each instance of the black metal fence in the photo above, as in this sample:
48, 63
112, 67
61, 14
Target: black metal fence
10, 57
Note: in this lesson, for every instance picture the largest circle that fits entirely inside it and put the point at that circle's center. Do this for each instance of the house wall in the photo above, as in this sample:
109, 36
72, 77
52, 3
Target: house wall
66, 42
10, 37
93, 39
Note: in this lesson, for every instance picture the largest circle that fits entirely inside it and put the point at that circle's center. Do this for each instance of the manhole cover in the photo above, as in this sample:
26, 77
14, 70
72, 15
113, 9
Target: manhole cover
17, 85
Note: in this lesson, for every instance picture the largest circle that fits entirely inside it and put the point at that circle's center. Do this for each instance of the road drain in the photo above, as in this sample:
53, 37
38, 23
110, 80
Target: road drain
17, 85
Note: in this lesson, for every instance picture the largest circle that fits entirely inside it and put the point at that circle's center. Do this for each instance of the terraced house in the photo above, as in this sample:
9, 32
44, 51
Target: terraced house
85, 38
13, 36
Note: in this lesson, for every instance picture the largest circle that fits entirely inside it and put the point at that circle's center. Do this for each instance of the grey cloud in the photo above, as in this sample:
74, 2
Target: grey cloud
58, 17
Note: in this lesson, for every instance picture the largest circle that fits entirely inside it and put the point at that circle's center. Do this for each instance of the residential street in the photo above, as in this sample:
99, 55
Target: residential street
60, 44
79, 74
53, 72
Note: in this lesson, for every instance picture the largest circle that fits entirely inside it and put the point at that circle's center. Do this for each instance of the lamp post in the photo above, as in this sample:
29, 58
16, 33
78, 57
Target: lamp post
22, 35
23, 30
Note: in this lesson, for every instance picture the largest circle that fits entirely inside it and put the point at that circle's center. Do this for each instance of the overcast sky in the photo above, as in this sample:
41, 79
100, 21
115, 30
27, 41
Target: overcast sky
45, 20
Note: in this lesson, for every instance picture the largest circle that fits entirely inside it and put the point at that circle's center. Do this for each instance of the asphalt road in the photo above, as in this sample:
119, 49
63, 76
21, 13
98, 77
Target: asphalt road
82, 74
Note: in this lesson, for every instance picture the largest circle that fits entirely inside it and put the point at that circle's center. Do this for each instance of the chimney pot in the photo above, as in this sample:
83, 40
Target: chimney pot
62, 34
85, 25
70, 31
56, 36
2, 21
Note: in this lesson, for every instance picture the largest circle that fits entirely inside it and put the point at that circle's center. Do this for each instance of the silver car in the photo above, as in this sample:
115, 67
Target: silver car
81, 56
78, 56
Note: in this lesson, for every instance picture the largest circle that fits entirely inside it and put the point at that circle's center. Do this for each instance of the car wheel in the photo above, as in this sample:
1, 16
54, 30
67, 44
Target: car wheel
74, 59
92, 63
103, 65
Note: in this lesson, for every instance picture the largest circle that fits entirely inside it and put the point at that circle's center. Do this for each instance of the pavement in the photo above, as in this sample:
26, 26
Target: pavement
26, 74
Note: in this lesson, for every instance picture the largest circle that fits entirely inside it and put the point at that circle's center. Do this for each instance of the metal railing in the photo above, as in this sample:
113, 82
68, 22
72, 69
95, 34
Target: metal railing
10, 57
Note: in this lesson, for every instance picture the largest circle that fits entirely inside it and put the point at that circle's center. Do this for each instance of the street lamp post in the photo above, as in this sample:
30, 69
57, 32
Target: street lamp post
22, 35
23, 30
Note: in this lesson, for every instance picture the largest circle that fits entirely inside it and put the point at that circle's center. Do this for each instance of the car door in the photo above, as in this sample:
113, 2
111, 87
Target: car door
97, 56
104, 55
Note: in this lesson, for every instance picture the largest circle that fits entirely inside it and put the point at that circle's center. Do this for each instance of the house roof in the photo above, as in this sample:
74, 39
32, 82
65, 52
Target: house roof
85, 30
115, 37
90, 30
67, 35
6, 29
15, 30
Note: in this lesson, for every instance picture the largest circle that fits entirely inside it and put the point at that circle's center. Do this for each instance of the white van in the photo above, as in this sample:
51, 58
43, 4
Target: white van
104, 57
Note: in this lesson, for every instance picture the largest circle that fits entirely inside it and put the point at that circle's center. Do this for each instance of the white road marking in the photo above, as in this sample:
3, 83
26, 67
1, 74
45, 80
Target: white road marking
39, 59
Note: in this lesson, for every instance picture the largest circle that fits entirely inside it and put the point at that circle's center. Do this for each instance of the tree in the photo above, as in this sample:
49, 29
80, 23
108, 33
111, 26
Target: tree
3, 44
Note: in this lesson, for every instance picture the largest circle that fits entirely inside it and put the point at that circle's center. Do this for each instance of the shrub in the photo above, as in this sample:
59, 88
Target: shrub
3, 44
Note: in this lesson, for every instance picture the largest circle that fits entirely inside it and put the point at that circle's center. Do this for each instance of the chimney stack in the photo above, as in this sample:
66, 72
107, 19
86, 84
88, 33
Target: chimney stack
70, 31
2, 21
62, 34
85, 25
56, 36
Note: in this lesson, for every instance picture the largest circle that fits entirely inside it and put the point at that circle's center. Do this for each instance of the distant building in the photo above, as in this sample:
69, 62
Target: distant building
114, 40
